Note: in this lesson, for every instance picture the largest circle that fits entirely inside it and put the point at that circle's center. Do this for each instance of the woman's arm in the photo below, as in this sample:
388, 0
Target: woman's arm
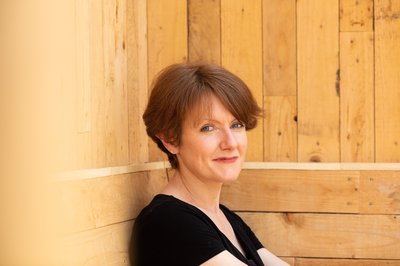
270, 259
223, 258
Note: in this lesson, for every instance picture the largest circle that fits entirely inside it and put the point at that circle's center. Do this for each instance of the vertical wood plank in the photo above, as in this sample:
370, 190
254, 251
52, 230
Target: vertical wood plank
137, 82
357, 97
280, 83
98, 129
167, 43
241, 49
318, 99
356, 15
279, 47
116, 101
387, 80
68, 90
82, 48
83, 84
205, 31
280, 129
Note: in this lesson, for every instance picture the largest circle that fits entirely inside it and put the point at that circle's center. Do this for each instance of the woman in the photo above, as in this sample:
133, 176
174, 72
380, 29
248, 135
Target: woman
198, 114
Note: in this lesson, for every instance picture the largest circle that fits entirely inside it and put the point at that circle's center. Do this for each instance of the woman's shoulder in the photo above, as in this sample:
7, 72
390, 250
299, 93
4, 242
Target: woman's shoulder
166, 208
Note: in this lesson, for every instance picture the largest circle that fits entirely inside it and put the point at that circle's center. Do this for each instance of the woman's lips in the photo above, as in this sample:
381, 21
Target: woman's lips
226, 159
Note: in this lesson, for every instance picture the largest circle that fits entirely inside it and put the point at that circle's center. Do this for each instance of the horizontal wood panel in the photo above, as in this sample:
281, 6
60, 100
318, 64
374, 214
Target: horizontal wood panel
345, 262
294, 191
102, 246
87, 204
380, 192
328, 235
96, 202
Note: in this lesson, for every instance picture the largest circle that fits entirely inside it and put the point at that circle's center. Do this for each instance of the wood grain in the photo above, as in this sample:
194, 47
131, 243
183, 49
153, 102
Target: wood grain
93, 203
345, 262
96, 144
317, 69
357, 126
137, 80
356, 15
387, 80
205, 31
294, 191
280, 129
102, 246
380, 192
327, 235
279, 47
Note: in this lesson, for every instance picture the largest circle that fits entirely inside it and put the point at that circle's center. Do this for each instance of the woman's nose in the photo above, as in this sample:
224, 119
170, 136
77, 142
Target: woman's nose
228, 140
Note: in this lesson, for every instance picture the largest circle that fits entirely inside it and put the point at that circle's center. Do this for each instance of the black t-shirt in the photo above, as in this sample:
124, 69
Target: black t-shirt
172, 232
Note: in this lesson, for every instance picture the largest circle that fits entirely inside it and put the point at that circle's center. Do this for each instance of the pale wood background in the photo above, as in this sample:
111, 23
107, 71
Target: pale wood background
326, 73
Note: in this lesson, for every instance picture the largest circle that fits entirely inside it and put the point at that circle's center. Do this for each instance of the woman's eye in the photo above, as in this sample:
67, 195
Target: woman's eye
207, 128
237, 125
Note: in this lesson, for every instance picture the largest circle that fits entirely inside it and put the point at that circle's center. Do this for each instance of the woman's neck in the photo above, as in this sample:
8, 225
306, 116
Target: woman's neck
190, 189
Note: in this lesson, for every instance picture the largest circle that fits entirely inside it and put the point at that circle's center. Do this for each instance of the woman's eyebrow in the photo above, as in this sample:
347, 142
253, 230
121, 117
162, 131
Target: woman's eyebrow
213, 120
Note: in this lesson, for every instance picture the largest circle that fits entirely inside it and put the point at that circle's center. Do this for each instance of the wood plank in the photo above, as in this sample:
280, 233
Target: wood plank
97, 72
357, 97
291, 261
205, 31
140, 167
387, 80
356, 15
75, 206
137, 83
93, 203
67, 91
102, 246
345, 262
82, 50
279, 47
241, 53
167, 43
328, 235
380, 192
293, 191
280, 129
116, 101
318, 98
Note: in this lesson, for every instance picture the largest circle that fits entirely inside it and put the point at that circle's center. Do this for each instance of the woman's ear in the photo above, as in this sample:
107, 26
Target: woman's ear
168, 144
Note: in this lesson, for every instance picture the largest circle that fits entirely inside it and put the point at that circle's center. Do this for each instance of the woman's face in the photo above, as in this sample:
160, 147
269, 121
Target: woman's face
213, 145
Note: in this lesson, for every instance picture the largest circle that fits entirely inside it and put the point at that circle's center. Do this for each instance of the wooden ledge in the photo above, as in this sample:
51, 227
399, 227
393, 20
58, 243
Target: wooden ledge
133, 168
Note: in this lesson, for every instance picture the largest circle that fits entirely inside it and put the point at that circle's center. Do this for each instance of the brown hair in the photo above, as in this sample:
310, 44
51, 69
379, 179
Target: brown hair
179, 88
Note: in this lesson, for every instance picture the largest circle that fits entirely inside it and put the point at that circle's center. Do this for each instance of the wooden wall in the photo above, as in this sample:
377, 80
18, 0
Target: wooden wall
327, 75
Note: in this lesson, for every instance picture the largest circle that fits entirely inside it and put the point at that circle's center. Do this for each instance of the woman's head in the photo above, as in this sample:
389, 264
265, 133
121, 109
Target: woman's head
183, 89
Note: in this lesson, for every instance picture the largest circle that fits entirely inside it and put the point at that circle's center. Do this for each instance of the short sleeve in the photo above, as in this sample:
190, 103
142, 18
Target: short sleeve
175, 235
242, 227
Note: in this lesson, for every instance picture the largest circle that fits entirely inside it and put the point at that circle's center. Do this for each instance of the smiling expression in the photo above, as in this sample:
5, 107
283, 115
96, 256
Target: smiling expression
213, 145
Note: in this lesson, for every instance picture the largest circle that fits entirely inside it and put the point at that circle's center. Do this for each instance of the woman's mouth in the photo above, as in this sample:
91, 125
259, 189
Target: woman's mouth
226, 159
